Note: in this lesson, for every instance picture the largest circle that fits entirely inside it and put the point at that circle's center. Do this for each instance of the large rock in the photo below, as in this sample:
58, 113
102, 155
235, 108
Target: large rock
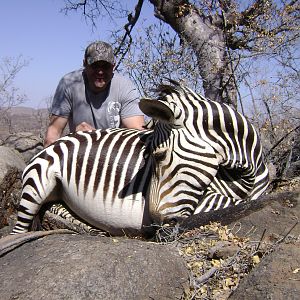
10, 158
275, 221
276, 277
278, 274
84, 267
11, 168
272, 221
26, 143
272, 217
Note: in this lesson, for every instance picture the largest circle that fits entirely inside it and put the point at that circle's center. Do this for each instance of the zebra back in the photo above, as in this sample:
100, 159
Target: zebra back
101, 175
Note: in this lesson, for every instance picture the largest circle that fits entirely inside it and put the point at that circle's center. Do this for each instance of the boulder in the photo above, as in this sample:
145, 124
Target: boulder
11, 167
10, 158
85, 267
26, 143
272, 216
273, 221
276, 277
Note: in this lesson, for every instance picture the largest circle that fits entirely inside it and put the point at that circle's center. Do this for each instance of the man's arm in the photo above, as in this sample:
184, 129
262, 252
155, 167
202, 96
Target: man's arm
54, 131
136, 122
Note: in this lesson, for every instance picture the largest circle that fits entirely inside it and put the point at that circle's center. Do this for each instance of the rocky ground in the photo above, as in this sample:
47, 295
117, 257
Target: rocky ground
245, 254
256, 257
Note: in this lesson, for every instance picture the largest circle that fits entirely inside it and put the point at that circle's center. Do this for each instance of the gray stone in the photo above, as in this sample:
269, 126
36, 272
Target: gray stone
10, 158
11, 167
85, 267
276, 277
273, 278
26, 143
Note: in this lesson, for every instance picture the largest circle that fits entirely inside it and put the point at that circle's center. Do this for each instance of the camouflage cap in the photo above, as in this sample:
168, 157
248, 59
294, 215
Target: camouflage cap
97, 51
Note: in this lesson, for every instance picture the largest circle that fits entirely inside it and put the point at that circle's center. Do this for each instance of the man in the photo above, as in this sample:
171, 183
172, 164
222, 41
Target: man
95, 97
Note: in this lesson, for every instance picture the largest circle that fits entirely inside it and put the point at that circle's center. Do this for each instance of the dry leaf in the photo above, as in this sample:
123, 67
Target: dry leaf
256, 259
189, 250
216, 263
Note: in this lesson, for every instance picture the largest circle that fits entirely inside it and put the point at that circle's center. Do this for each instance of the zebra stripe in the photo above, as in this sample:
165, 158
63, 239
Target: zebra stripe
241, 172
100, 175
196, 156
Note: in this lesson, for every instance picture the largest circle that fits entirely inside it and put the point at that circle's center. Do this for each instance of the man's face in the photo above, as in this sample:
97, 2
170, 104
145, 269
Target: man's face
99, 75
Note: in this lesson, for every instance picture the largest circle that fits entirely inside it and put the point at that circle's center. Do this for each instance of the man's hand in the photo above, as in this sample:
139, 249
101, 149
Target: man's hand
136, 122
84, 127
55, 129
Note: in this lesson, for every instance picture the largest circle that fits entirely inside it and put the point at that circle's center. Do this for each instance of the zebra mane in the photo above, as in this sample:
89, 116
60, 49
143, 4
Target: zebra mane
164, 90
167, 89
174, 86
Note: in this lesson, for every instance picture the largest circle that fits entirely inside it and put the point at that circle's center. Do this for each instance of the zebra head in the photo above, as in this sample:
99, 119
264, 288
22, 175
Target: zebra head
183, 163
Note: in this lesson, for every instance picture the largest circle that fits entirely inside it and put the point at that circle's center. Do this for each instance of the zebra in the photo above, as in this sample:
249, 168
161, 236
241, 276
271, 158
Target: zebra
86, 170
242, 174
195, 156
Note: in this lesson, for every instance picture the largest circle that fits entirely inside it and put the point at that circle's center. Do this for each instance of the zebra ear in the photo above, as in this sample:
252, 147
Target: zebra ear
156, 110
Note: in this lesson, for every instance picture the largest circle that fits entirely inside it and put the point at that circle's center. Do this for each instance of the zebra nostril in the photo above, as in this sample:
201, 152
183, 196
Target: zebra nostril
170, 222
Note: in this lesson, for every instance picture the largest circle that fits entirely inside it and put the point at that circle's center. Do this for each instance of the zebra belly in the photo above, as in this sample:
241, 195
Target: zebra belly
117, 216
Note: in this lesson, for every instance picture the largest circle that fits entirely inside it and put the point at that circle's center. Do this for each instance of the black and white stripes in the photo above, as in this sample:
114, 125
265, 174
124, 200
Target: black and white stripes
197, 156
228, 171
101, 175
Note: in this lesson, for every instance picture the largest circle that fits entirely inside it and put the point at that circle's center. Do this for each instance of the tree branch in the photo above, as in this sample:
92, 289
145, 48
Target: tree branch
132, 19
282, 139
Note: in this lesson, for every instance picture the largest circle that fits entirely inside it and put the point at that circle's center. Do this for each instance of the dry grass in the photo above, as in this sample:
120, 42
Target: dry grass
217, 259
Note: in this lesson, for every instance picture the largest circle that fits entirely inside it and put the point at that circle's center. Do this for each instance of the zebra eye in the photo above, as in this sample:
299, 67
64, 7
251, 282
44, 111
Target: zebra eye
160, 156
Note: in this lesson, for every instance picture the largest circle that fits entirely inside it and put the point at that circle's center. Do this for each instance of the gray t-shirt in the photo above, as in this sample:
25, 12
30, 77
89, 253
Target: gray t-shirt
73, 100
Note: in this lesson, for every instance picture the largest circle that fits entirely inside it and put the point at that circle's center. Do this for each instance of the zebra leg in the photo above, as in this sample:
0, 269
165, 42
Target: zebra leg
213, 200
34, 195
229, 188
73, 222
28, 209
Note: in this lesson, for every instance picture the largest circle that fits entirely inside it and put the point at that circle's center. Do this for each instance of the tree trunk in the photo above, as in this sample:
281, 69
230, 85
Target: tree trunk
205, 35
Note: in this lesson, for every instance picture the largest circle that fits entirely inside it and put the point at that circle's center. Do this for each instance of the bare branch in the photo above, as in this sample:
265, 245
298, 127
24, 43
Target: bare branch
132, 20
9, 69
282, 139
